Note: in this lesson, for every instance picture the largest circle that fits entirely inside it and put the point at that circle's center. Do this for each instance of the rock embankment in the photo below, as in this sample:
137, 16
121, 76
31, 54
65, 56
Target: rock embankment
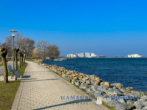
113, 94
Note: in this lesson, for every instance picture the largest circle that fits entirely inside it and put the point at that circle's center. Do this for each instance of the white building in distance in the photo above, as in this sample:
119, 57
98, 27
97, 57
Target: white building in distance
87, 54
93, 55
71, 55
134, 56
81, 55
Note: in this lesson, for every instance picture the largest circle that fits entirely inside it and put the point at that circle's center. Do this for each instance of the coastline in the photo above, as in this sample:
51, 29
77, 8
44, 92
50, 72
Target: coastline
95, 86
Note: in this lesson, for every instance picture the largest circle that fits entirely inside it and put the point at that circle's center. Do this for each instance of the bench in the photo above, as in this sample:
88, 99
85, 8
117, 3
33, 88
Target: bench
17, 72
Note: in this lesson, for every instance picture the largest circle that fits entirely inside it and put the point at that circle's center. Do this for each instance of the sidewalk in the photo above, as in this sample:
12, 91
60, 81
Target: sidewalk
41, 89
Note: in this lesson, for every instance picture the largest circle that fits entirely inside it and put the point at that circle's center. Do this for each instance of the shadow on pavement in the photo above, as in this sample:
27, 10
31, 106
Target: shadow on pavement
34, 79
26, 76
62, 104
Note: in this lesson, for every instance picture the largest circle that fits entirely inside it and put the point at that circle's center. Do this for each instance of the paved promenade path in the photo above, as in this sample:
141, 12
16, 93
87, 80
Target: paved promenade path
41, 89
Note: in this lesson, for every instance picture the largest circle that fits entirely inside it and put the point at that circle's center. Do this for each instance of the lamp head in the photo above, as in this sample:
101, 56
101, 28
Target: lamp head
13, 32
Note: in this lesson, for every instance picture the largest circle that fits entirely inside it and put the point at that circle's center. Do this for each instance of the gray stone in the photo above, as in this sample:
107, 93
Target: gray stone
139, 104
90, 91
68, 79
122, 101
64, 76
74, 81
123, 90
117, 93
130, 102
93, 81
118, 85
82, 81
94, 88
144, 108
144, 99
99, 92
87, 82
84, 85
117, 105
110, 89
77, 83
103, 88
136, 93
114, 87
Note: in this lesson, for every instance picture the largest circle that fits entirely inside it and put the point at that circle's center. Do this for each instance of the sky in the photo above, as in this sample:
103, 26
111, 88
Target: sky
104, 27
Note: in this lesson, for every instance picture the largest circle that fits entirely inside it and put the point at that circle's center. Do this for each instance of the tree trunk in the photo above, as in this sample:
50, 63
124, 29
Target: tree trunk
5, 69
16, 61
19, 60
22, 60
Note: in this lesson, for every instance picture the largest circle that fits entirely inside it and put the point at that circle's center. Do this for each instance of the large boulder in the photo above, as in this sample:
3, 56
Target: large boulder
130, 88
107, 83
103, 88
94, 88
97, 83
93, 81
118, 105
140, 104
99, 92
84, 85
77, 83
118, 85
88, 82
118, 93
69, 79
130, 102
64, 76
90, 91
106, 98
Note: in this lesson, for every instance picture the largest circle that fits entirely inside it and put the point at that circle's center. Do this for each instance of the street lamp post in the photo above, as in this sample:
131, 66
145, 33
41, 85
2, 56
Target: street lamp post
13, 35
24, 56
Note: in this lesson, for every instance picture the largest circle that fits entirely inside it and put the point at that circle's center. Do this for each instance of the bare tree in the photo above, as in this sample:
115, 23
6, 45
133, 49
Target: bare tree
8, 48
23, 43
8, 45
53, 51
18, 40
36, 53
42, 46
28, 46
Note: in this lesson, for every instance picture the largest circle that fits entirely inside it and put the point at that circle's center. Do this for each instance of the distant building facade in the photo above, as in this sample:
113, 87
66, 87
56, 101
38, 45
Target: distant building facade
87, 54
93, 55
134, 56
71, 55
81, 54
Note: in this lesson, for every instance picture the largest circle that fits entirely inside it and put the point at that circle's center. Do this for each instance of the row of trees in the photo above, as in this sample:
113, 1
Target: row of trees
41, 50
3, 54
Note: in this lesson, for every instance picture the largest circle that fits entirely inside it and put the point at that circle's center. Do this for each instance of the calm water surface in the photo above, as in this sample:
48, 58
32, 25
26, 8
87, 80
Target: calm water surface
131, 72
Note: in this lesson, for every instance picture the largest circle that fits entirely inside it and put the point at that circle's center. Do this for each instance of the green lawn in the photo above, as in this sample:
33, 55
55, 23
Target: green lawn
8, 91
1, 64
30, 59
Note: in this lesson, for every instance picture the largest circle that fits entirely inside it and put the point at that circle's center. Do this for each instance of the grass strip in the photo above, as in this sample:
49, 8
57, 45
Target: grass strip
30, 60
9, 90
